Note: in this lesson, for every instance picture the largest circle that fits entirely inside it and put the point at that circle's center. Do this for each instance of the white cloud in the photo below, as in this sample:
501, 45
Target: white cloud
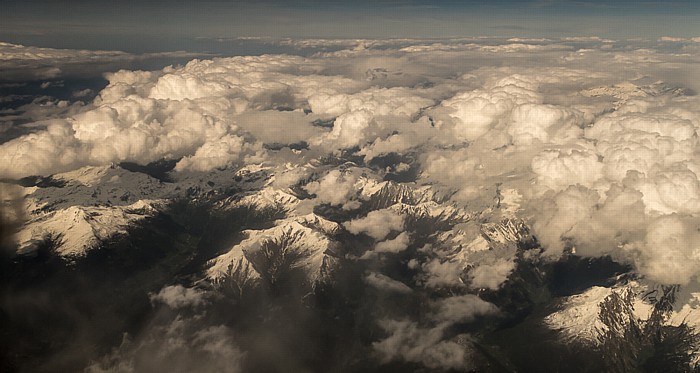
178, 296
182, 345
442, 273
20, 62
491, 275
462, 308
670, 251
409, 342
349, 129
558, 169
213, 154
378, 224
583, 135
42, 152
398, 244
335, 188
382, 282
428, 345
277, 127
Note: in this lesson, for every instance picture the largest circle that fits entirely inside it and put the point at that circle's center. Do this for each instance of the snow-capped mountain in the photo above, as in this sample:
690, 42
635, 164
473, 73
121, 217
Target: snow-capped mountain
78, 229
491, 252
628, 90
577, 318
309, 238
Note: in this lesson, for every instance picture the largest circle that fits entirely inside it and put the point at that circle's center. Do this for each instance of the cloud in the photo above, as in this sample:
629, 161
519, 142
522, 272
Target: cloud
581, 134
669, 252
439, 272
277, 127
462, 308
179, 338
595, 148
214, 154
20, 62
409, 342
180, 346
385, 283
378, 224
178, 296
491, 275
398, 244
557, 169
430, 346
335, 188
40, 153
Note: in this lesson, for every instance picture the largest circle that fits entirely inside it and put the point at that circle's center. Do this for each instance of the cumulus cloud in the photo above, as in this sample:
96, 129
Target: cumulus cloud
577, 217
177, 296
180, 346
385, 283
398, 244
670, 250
491, 275
583, 134
213, 154
277, 127
411, 342
462, 308
439, 272
42, 152
378, 224
557, 169
335, 188
20, 62
180, 338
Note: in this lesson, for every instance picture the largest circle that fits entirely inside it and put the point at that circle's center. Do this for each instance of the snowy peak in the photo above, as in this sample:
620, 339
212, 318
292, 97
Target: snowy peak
316, 222
626, 90
299, 242
96, 186
392, 193
508, 230
577, 318
80, 228
266, 198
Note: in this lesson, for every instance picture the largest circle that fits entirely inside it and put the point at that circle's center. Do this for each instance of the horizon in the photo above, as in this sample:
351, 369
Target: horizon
160, 25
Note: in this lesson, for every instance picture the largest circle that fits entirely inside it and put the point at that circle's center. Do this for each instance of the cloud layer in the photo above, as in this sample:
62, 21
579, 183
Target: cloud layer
597, 136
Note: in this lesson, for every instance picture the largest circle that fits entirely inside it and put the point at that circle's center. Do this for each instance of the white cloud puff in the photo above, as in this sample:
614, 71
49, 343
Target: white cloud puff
439, 273
409, 342
335, 188
491, 275
213, 154
41, 153
462, 308
536, 122
178, 296
386, 283
20, 62
378, 224
398, 244
477, 112
349, 128
427, 345
670, 251
558, 169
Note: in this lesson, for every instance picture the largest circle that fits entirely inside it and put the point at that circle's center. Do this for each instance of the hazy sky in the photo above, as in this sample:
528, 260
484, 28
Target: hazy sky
163, 24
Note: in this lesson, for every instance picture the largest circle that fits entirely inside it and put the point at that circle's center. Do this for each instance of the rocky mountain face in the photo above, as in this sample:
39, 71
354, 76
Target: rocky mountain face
400, 264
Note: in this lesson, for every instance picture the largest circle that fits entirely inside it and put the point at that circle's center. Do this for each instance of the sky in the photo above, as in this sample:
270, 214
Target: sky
177, 24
